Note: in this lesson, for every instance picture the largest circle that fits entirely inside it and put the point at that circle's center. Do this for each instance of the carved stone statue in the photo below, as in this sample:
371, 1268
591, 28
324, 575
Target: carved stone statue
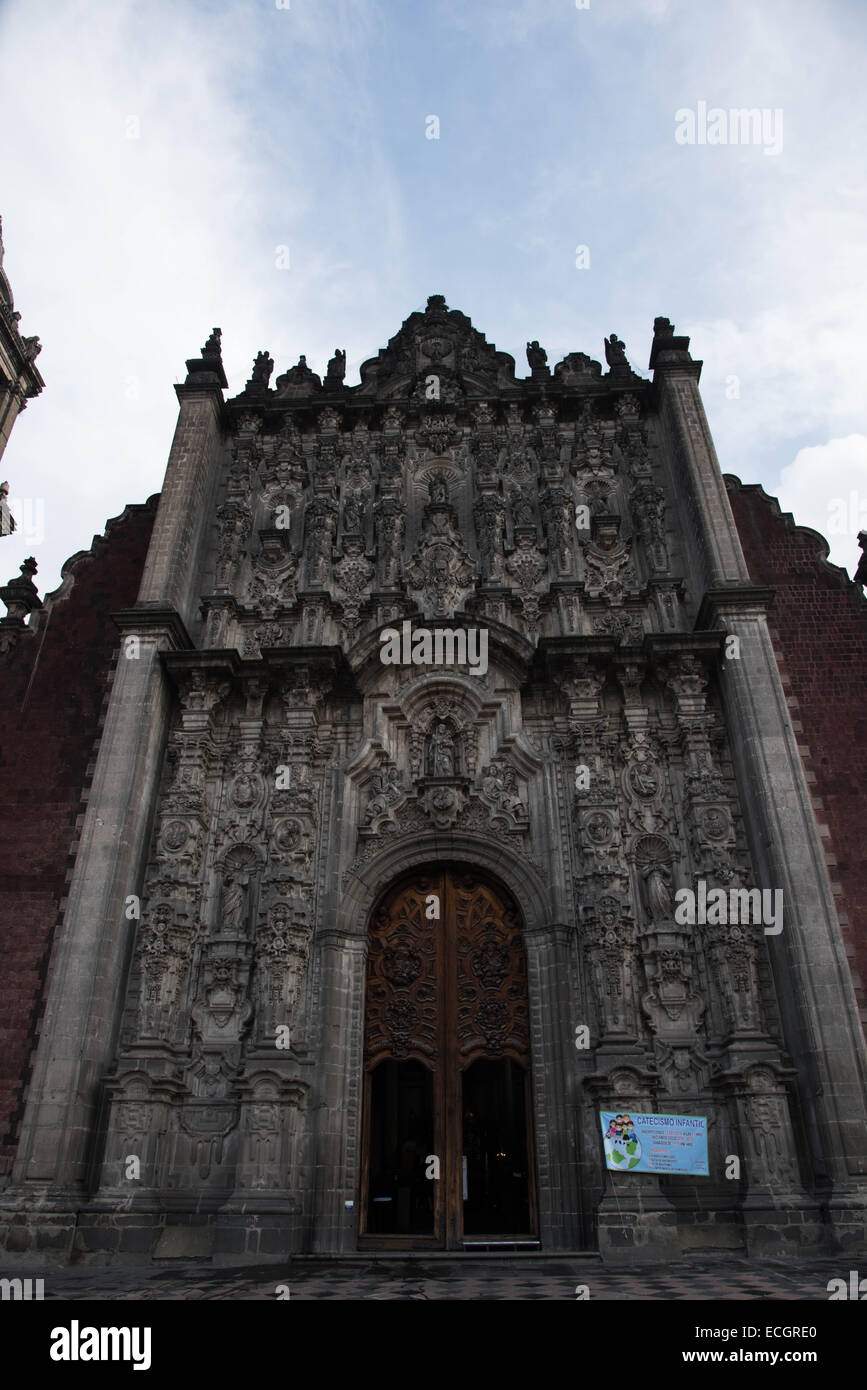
537, 357
352, 510
657, 877
438, 489
262, 369
234, 909
522, 508
336, 370
615, 351
386, 791
441, 751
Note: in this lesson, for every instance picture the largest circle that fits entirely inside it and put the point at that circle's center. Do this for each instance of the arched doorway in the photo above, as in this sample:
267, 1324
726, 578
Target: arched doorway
447, 1157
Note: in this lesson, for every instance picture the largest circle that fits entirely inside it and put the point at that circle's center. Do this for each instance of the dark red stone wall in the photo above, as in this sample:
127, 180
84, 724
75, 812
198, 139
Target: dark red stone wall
818, 622
54, 684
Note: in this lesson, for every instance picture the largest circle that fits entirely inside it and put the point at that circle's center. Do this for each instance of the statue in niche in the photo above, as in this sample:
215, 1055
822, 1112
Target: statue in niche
352, 512
522, 508
234, 913
441, 760
438, 489
657, 878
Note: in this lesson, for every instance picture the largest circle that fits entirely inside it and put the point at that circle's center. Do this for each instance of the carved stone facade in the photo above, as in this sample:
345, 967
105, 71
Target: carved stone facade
611, 754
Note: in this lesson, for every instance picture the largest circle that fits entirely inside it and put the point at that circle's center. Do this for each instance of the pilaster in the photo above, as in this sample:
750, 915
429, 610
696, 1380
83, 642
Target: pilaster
814, 985
80, 1028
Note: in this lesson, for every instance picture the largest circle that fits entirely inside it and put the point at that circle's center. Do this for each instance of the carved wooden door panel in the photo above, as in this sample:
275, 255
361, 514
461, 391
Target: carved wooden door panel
447, 1137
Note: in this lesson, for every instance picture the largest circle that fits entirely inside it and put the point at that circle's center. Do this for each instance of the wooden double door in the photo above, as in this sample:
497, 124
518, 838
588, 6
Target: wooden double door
447, 1131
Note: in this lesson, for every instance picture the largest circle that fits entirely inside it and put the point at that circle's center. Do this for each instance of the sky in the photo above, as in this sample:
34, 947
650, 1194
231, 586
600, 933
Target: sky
268, 167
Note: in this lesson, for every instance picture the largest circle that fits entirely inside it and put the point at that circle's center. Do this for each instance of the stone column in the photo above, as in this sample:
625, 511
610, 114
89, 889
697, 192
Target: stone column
337, 1099
172, 571
552, 1010
92, 953
814, 986
706, 523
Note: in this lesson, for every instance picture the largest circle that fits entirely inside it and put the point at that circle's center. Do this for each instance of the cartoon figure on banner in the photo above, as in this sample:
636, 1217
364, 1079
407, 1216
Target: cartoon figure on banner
622, 1146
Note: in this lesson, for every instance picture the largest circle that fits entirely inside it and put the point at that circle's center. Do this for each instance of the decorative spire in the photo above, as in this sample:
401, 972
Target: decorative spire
20, 596
667, 350
207, 370
212, 346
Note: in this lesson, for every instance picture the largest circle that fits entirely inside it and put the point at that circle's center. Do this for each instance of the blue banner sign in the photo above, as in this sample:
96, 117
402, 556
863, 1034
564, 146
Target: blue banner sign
654, 1143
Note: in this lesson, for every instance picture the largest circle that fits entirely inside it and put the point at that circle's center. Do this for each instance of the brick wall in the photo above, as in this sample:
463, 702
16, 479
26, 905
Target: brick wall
818, 622
54, 686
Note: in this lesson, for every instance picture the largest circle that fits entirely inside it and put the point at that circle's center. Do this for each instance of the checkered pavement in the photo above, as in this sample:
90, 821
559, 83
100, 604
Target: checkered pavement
491, 1278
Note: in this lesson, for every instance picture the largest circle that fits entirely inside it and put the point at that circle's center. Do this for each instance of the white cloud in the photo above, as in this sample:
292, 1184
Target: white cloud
305, 127
825, 487
124, 253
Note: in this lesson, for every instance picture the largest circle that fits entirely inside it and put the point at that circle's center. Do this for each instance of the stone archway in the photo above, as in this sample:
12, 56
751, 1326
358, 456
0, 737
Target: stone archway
551, 972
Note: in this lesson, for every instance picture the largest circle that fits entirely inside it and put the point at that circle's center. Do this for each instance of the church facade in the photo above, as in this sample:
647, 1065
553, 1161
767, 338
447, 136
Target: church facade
446, 796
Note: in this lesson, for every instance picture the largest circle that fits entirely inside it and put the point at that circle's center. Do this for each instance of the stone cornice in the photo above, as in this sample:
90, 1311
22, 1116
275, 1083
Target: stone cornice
745, 597
154, 618
700, 642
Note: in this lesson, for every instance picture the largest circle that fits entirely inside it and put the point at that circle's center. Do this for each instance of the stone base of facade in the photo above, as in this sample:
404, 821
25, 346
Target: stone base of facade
642, 1236
37, 1238
760, 1229
139, 1237
773, 1229
847, 1216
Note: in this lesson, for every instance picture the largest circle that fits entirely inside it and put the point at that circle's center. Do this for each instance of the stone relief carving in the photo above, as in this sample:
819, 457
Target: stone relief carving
321, 525
489, 513
499, 788
607, 560
353, 575
390, 530
165, 949
273, 571
234, 521
386, 791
